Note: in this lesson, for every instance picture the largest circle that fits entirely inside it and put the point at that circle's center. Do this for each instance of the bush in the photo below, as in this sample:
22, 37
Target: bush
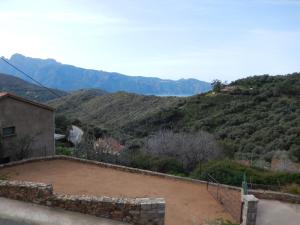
61, 124
231, 173
292, 189
63, 151
159, 164
167, 165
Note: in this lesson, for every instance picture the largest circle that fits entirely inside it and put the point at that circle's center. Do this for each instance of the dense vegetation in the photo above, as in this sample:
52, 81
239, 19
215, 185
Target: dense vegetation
256, 117
110, 111
231, 172
252, 118
25, 89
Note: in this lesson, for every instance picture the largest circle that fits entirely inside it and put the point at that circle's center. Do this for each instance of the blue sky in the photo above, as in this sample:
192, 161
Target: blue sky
173, 39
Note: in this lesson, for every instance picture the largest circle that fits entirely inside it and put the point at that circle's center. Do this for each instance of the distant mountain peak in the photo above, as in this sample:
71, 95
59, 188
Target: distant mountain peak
18, 56
69, 78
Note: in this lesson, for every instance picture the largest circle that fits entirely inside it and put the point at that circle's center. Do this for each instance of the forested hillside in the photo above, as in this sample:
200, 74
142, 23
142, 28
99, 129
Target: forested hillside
110, 111
255, 116
17, 86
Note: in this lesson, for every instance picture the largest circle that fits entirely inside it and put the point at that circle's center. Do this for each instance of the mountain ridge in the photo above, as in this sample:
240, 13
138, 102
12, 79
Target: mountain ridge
69, 78
17, 86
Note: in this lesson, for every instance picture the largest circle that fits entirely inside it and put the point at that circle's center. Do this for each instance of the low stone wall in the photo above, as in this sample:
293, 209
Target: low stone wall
138, 211
272, 195
26, 191
231, 203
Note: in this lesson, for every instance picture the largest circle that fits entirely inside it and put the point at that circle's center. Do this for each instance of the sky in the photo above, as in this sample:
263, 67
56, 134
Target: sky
170, 39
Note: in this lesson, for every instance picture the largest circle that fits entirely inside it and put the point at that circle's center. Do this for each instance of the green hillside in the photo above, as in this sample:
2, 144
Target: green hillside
110, 111
258, 115
17, 86
254, 116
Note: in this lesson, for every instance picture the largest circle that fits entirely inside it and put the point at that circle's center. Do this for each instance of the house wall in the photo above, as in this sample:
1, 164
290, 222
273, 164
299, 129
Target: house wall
30, 122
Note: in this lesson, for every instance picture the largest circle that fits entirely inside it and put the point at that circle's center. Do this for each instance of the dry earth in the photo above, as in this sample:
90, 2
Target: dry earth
186, 203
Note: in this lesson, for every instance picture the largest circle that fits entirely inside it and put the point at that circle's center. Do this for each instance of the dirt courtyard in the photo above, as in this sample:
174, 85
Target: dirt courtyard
186, 203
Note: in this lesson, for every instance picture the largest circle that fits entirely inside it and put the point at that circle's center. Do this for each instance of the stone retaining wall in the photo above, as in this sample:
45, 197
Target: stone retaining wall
272, 195
138, 211
26, 191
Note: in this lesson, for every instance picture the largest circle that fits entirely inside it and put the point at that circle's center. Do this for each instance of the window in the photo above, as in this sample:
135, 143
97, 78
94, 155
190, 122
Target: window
8, 131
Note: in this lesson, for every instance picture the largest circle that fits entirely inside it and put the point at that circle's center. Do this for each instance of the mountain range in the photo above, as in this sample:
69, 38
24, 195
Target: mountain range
254, 116
70, 78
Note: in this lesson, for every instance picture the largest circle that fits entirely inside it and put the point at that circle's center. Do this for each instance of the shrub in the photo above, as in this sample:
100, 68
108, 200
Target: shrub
167, 165
292, 189
63, 151
231, 173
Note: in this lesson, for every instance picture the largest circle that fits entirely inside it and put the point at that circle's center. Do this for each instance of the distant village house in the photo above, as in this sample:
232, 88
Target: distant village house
26, 128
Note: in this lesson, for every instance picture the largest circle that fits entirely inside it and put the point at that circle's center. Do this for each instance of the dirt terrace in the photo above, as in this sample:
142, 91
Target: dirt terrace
186, 203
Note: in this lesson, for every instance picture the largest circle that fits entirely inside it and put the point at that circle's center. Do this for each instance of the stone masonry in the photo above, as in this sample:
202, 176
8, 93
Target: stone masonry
138, 211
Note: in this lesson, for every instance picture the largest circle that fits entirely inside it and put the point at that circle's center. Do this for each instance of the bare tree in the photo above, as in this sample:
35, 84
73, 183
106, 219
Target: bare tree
190, 149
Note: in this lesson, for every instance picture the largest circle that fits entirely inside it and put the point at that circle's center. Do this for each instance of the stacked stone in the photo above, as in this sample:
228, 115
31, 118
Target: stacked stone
138, 211
26, 191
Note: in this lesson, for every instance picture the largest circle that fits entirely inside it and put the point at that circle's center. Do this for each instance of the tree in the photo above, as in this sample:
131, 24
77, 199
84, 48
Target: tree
62, 124
217, 85
190, 149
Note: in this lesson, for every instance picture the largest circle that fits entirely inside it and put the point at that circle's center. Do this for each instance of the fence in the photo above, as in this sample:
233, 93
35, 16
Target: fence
227, 196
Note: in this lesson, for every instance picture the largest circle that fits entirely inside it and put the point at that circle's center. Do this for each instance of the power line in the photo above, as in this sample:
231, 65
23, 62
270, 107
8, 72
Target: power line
41, 85
31, 78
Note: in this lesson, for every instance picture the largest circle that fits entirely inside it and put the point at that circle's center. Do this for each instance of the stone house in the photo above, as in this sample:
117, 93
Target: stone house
26, 128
